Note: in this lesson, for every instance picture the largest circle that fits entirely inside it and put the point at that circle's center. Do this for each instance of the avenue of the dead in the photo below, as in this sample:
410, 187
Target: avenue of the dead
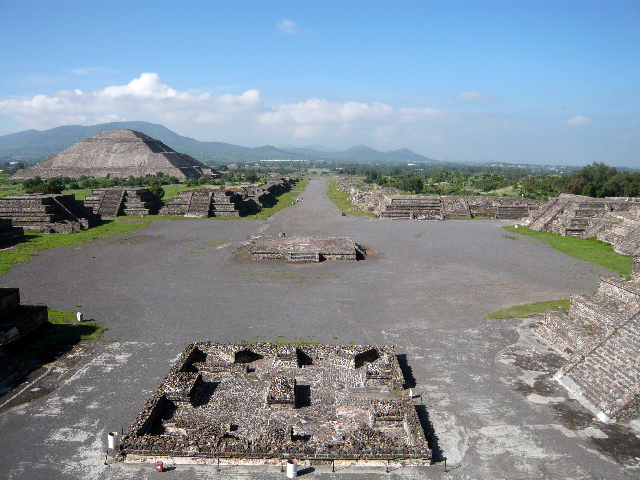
424, 288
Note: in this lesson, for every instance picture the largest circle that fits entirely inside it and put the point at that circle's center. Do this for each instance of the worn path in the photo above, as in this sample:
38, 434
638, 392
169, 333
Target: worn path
426, 291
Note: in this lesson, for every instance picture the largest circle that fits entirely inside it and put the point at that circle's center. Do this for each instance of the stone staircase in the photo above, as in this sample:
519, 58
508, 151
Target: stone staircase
419, 207
116, 201
206, 202
600, 338
48, 213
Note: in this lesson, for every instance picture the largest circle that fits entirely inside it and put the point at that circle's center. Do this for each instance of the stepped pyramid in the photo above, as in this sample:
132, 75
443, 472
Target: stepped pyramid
600, 340
115, 201
118, 154
48, 213
205, 202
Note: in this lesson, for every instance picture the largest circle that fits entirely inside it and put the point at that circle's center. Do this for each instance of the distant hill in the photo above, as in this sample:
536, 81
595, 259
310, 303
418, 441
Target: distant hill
34, 146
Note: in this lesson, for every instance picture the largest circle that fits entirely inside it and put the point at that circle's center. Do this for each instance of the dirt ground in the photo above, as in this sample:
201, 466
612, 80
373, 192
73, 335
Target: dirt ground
491, 411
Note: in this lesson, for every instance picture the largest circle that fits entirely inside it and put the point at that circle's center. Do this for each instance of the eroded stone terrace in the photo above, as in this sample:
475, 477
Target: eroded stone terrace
261, 403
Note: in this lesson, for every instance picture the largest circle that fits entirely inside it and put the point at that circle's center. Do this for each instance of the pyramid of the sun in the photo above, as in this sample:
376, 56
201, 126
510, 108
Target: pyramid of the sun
117, 154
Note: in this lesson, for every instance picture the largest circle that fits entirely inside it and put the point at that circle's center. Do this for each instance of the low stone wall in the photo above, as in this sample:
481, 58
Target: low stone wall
16, 321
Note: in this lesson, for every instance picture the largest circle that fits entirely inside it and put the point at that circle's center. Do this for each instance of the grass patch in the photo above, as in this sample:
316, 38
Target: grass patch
80, 194
590, 250
509, 237
7, 189
341, 201
524, 311
32, 243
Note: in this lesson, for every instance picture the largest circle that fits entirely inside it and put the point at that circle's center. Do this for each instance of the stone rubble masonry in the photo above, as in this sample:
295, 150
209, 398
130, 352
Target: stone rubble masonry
18, 320
305, 249
117, 154
615, 220
312, 403
600, 340
116, 201
47, 213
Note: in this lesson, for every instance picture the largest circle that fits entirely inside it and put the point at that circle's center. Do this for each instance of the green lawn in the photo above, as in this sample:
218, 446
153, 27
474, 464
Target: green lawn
33, 243
61, 333
7, 189
590, 250
523, 311
341, 201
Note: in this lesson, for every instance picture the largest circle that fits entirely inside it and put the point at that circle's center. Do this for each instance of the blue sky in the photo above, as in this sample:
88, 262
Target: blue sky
528, 82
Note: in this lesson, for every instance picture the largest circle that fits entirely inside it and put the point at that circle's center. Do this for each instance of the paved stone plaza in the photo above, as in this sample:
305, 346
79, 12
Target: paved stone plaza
424, 288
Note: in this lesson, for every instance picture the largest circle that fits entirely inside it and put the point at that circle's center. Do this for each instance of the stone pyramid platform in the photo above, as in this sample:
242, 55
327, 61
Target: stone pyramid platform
48, 213
116, 201
206, 202
600, 340
117, 154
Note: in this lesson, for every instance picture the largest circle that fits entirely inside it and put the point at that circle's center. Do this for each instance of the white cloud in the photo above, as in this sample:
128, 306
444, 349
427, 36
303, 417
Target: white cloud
579, 120
144, 97
475, 96
287, 26
237, 118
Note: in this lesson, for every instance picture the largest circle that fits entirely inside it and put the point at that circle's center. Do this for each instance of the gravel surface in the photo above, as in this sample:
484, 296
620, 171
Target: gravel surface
424, 287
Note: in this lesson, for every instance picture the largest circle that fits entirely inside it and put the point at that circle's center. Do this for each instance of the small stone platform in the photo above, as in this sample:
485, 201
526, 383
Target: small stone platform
262, 403
306, 249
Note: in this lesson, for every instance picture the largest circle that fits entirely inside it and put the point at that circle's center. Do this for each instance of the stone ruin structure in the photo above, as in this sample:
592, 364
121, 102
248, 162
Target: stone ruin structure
442, 207
305, 249
117, 154
234, 202
205, 202
614, 220
600, 340
263, 404
116, 201
387, 202
18, 320
47, 213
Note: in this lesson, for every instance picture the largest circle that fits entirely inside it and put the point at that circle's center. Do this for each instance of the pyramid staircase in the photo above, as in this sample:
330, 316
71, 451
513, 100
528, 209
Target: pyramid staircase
116, 201
48, 213
205, 202
421, 207
600, 338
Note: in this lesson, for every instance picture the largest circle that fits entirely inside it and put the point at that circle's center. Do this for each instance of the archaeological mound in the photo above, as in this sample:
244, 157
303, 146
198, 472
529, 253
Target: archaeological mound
263, 404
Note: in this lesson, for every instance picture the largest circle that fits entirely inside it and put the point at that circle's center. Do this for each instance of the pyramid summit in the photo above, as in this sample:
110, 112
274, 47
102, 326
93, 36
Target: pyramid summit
117, 154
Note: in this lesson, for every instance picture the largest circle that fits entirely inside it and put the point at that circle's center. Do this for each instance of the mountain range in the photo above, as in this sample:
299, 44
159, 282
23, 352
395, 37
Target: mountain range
34, 145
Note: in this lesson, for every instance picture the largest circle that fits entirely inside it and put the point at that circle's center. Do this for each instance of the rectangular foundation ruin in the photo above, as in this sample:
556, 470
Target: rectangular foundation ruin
305, 249
261, 404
